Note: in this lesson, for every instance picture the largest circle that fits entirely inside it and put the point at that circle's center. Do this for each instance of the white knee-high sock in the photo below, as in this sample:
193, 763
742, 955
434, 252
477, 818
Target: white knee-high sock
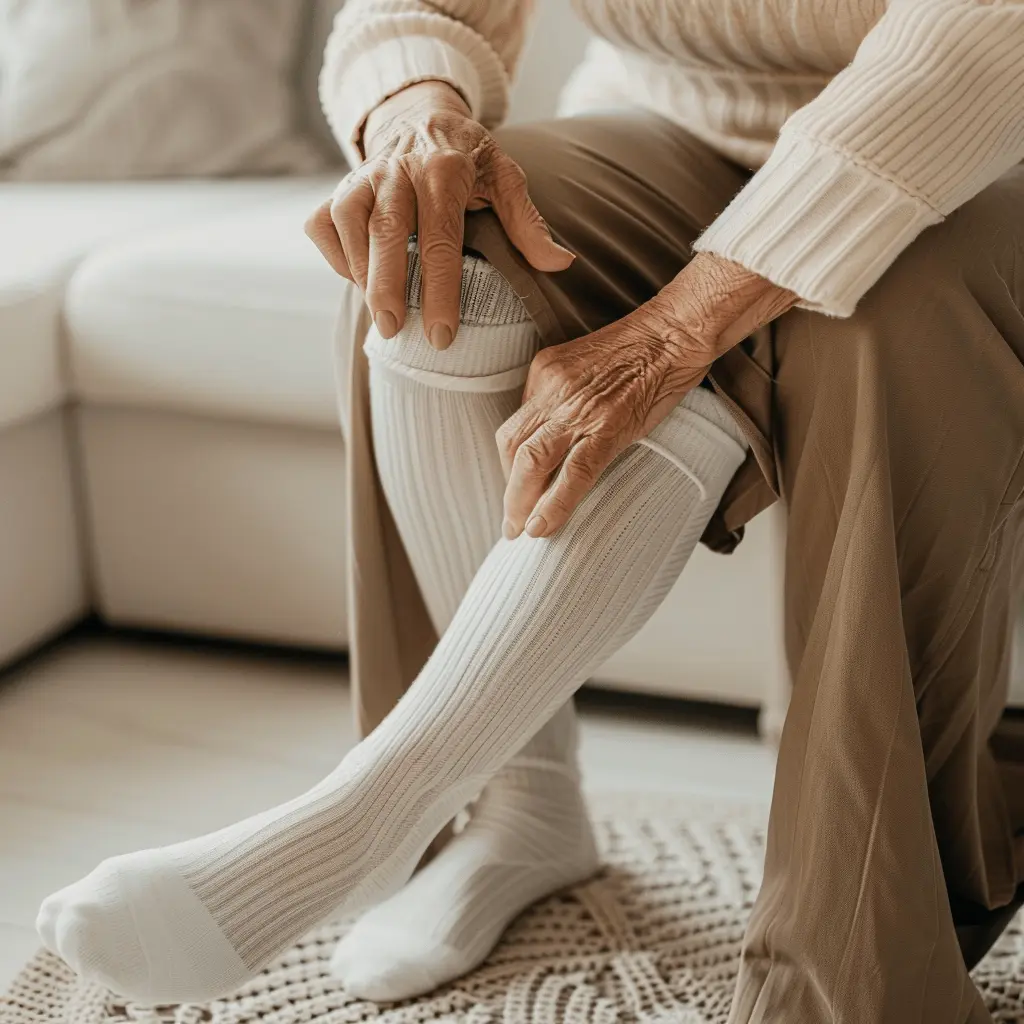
435, 415
191, 921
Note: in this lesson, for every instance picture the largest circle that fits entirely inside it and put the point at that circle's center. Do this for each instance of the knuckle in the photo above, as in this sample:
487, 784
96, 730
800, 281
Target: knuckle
318, 220
543, 359
439, 255
388, 218
343, 213
508, 173
504, 436
531, 456
448, 165
579, 471
353, 204
557, 508
542, 373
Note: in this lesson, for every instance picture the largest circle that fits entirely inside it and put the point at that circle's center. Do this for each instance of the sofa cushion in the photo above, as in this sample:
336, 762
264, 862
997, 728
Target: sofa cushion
107, 90
232, 317
46, 231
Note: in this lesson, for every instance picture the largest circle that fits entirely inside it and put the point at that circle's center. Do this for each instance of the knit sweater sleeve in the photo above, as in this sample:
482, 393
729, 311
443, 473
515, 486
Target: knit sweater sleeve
929, 112
377, 47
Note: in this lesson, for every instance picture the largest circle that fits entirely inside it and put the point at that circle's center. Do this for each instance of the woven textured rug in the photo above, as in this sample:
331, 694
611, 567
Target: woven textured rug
653, 939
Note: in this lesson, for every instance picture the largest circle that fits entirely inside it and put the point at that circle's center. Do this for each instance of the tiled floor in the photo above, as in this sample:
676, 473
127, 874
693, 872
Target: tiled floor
109, 744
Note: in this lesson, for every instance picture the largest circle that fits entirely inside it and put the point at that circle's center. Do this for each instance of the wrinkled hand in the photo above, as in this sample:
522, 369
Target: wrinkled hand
429, 162
586, 400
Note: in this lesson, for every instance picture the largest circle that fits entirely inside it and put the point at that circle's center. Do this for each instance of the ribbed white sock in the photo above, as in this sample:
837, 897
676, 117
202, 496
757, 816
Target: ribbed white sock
191, 921
435, 415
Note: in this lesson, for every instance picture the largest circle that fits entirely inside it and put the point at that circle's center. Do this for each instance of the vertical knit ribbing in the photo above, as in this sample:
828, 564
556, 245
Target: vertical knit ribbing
434, 416
190, 921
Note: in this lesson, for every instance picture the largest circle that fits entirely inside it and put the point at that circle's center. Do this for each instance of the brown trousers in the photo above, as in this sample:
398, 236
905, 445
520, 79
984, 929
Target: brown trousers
896, 439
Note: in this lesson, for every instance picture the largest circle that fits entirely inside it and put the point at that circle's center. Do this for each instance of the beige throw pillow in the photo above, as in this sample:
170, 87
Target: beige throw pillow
94, 89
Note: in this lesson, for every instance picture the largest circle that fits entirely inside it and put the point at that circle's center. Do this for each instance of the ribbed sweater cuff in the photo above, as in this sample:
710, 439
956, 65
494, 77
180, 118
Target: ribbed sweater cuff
816, 222
385, 68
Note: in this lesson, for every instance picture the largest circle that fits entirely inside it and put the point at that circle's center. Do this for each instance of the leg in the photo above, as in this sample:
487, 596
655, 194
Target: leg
901, 446
193, 920
444, 920
628, 194
434, 417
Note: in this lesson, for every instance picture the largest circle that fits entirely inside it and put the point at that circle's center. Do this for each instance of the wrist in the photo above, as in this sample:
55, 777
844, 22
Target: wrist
427, 97
715, 303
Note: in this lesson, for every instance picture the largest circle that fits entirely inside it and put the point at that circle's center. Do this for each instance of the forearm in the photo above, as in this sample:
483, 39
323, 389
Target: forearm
928, 114
712, 305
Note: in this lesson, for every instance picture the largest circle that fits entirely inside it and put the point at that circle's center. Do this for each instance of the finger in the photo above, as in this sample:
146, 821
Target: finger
536, 461
525, 227
581, 468
442, 191
322, 233
524, 422
351, 215
392, 221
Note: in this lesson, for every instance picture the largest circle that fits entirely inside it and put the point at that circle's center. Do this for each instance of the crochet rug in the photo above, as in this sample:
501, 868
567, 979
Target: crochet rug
654, 938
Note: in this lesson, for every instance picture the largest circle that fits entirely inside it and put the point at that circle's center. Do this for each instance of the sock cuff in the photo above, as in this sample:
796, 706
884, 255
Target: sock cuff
700, 438
492, 349
486, 298
491, 383
706, 404
482, 358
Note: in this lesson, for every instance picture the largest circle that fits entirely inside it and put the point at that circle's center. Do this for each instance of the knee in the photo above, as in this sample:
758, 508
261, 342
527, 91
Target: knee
495, 337
595, 161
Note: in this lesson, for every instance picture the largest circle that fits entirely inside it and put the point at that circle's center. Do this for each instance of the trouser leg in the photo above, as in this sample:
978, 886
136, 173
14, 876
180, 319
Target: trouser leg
900, 435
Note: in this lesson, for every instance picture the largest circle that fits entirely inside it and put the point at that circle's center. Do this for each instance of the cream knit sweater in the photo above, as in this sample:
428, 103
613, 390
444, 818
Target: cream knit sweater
869, 120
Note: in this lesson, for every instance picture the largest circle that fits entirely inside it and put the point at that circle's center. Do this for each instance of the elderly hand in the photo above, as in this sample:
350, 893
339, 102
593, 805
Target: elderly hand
587, 400
429, 162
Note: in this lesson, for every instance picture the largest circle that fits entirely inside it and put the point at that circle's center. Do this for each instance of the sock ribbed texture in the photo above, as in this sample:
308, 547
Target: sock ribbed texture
191, 921
435, 415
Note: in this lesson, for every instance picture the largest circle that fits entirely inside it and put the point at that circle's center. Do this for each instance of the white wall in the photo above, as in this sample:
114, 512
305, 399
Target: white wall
553, 49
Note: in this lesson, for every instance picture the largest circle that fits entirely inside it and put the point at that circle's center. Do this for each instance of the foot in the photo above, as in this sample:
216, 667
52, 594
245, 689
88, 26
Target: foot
528, 836
193, 921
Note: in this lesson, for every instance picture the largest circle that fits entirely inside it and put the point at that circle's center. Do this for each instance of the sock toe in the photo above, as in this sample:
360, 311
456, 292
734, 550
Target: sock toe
386, 967
46, 923
134, 926
93, 931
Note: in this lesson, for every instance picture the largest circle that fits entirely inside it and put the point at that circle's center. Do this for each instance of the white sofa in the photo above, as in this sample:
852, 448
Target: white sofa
170, 456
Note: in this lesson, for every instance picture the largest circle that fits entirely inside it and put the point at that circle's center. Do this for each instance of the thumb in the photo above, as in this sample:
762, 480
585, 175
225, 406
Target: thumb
521, 220
322, 233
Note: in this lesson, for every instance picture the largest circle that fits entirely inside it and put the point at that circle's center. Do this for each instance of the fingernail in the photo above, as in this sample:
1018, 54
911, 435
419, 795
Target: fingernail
440, 336
386, 323
536, 526
508, 531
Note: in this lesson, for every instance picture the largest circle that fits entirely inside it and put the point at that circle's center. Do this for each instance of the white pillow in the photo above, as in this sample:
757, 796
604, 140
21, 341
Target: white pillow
149, 88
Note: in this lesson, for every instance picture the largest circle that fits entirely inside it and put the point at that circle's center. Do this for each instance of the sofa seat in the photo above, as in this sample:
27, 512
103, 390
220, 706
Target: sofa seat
46, 231
200, 356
